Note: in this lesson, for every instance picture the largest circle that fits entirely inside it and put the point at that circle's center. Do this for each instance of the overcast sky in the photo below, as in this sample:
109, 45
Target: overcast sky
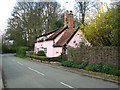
6, 7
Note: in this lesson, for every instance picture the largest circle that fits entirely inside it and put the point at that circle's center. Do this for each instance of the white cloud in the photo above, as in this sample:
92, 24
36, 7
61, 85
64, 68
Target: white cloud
67, 4
6, 6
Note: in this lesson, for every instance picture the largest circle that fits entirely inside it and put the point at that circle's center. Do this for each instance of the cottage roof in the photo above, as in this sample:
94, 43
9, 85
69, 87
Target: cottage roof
64, 39
54, 35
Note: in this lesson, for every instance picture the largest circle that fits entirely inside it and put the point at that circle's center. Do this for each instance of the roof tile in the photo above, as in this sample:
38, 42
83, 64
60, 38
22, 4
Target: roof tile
64, 38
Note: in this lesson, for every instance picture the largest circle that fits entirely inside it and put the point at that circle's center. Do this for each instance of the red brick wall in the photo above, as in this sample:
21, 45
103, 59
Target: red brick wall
68, 19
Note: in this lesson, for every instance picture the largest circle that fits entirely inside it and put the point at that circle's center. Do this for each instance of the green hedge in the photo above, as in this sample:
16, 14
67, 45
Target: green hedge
43, 58
21, 52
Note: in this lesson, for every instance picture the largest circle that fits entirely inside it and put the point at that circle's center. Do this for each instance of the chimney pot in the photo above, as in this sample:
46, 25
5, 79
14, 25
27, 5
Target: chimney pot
68, 19
70, 11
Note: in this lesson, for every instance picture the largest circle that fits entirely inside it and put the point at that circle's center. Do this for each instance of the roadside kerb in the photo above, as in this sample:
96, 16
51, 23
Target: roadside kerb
110, 78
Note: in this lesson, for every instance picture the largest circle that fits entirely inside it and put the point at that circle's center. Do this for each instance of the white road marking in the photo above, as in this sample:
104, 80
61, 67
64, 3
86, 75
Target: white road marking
66, 85
36, 71
20, 63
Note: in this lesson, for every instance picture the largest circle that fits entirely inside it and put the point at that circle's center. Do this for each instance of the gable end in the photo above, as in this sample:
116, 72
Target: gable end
71, 37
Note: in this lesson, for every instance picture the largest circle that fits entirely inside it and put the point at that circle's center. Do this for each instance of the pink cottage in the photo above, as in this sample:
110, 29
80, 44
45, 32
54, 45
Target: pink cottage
56, 42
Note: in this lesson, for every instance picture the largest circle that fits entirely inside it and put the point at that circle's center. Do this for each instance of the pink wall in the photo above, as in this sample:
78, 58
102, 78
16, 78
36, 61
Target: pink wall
57, 51
77, 38
45, 44
51, 51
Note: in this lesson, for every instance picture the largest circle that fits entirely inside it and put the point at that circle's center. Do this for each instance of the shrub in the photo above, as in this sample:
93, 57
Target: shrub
75, 65
97, 67
106, 68
89, 67
21, 52
114, 71
31, 53
67, 63
43, 58
83, 64
41, 53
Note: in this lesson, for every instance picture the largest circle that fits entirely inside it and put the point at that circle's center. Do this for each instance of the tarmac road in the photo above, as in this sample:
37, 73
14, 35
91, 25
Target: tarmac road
21, 73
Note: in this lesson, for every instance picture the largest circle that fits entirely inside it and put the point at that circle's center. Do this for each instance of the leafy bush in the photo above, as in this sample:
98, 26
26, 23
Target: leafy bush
89, 67
67, 63
105, 68
97, 67
31, 53
43, 58
83, 64
114, 71
75, 65
21, 52
41, 53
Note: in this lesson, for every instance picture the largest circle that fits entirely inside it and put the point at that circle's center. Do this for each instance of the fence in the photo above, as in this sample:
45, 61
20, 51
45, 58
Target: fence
108, 55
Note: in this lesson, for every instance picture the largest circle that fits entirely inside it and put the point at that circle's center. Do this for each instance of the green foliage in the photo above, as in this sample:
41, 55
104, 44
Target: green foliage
105, 68
5, 48
41, 53
67, 63
75, 65
31, 53
23, 29
114, 71
18, 42
102, 28
83, 64
88, 67
59, 23
97, 67
21, 52
43, 58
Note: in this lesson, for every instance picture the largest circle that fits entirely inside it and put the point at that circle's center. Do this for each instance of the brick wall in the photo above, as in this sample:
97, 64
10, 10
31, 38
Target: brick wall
108, 55
68, 19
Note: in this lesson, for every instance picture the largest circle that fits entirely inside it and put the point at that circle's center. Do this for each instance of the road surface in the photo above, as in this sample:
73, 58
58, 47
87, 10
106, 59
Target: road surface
20, 73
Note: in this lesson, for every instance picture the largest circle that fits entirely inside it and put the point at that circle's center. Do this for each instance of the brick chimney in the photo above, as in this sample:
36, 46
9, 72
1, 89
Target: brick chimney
68, 19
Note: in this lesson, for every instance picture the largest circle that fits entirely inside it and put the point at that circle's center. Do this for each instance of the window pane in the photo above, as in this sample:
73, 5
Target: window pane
45, 50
